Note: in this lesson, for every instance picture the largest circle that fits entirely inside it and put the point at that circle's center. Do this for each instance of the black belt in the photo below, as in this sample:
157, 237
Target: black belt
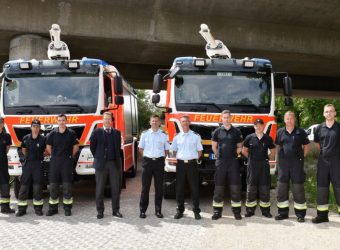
153, 159
187, 161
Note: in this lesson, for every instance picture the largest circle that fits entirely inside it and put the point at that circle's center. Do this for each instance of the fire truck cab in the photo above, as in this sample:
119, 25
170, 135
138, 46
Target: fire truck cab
203, 87
81, 89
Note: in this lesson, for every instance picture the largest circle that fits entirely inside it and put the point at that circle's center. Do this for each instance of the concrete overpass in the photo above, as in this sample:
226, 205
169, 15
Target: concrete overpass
140, 36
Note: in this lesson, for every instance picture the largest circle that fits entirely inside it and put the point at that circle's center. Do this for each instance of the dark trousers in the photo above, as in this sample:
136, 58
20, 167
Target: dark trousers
187, 171
227, 169
258, 182
111, 170
328, 171
155, 169
61, 171
291, 169
4, 184
32, 173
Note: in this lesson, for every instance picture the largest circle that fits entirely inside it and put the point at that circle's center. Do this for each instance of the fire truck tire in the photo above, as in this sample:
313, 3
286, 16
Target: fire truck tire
169, 185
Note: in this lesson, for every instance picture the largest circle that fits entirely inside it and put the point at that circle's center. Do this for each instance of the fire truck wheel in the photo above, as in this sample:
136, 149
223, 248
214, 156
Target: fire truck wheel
169, 185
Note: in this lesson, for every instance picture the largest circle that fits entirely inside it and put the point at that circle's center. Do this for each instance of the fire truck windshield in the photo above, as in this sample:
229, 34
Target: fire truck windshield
215, 91
52, 94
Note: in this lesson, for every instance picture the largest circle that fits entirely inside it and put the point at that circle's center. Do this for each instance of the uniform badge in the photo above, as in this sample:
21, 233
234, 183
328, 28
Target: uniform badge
38, 145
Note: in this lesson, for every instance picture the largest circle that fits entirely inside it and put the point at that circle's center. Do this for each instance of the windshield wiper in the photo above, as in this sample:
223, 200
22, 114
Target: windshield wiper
81, 109
29, 111
202, 104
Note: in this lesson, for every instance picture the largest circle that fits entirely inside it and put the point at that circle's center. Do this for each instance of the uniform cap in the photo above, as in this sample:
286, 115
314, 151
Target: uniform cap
259, 120
35, 122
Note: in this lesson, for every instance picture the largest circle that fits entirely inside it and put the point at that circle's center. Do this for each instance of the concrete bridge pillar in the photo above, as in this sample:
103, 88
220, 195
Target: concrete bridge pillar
28, 47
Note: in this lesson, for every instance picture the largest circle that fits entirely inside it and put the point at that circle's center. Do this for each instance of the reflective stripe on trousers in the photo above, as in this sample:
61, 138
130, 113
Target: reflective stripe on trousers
67, 201
283, 204
218, 204
53, 202
38, 202
300, 206
322, 207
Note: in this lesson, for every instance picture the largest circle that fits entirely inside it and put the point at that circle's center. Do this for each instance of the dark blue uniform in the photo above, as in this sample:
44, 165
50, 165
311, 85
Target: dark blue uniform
291, 168
328, 167
61, 168
5, 140
32, 172
258, 172
227, 168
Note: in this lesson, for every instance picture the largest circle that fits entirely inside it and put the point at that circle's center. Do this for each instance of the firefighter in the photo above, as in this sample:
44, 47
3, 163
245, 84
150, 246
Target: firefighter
62, 145
154, 147
187, 148
227, 145
293, 146
5, 142
255, 147
33, 147
327, 139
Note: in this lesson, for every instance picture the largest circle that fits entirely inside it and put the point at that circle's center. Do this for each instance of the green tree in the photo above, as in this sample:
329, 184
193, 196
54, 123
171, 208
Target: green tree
145, 109
308, 110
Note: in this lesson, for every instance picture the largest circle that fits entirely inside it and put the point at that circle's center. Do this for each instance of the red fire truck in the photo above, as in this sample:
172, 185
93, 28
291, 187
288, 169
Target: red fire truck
81, 89
202, 88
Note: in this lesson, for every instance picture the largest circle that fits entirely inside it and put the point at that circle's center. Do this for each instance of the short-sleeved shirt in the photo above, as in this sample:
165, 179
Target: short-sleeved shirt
187, 145
35, 147
154, 143
258, 148
5, 140
329, 139
291, 144
62, 143
227, 141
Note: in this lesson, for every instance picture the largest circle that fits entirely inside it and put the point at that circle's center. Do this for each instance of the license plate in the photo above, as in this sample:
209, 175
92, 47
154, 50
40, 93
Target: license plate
212, 157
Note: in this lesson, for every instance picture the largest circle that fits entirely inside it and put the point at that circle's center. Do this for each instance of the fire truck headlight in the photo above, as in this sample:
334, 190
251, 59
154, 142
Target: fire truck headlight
73, 65
25, 65
248, 64
200, 62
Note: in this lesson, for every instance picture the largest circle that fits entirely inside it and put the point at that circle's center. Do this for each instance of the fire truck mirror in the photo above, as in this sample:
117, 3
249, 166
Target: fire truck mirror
118, 85
156, 98
119, 100
157, 83
288, 101
287, 86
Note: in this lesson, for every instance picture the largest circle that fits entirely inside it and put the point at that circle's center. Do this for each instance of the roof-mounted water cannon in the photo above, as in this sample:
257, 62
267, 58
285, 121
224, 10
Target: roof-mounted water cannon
57, 49
214, 48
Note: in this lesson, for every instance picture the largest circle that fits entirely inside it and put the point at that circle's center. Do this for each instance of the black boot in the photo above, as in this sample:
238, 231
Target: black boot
322, 216
67, 208
266, 212
250, 211
52, 210
217, 213
6, 209
21, 211
38, 210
